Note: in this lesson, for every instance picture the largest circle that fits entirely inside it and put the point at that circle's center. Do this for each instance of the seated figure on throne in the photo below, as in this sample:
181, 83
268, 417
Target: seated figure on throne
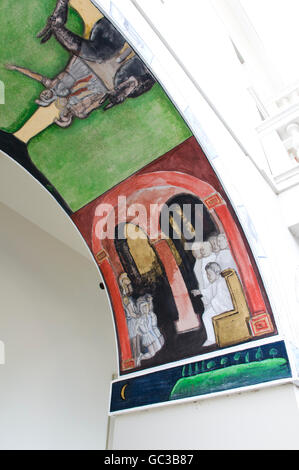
216, 249
216, 299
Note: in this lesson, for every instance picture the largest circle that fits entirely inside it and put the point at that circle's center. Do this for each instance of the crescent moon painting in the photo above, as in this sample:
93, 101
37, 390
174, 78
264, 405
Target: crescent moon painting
122, 393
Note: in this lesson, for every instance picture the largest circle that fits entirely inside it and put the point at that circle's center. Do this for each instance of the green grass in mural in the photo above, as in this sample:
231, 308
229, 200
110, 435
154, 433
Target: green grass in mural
94, 154
235, 376
91, 156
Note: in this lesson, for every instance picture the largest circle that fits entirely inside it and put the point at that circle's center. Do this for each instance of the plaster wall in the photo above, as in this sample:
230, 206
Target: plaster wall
59, 341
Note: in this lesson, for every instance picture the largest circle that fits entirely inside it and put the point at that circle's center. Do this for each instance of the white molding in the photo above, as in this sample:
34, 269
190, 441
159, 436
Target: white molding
279, 119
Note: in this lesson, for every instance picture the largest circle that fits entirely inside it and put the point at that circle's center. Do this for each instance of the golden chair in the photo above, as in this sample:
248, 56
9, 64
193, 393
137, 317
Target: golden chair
232, 327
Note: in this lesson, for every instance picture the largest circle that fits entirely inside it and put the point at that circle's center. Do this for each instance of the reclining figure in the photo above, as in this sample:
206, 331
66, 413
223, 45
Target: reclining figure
102, 68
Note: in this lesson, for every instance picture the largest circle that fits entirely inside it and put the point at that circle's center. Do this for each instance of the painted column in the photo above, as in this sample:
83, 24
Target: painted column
188, 320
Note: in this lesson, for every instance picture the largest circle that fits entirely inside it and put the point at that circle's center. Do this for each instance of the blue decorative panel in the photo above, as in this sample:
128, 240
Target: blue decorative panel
238, 369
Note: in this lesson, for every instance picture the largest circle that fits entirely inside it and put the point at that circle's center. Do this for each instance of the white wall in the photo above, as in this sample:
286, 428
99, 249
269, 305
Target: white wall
59, 342
25, 195
264, 419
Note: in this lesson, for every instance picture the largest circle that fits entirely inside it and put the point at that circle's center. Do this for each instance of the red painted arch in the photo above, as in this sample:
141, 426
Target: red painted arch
134, 189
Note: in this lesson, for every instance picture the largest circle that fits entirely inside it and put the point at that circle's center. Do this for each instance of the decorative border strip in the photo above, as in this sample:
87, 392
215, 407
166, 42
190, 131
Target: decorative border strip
252, 366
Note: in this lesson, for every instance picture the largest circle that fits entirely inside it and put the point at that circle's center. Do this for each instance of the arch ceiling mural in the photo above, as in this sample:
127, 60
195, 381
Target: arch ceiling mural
88, 120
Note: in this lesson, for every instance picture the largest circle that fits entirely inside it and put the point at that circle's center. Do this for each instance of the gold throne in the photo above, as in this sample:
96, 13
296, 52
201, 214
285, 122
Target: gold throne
232, 327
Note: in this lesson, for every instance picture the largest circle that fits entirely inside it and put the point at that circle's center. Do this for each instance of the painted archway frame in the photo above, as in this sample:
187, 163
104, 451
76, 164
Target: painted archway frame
261, 319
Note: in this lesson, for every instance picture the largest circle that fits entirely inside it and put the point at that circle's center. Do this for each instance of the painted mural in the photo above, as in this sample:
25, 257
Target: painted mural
95, 128
180, 275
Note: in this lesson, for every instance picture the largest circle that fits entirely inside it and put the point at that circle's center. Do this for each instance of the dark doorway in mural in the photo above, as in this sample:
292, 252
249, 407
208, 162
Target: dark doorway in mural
147, 278
193, 219
190, 223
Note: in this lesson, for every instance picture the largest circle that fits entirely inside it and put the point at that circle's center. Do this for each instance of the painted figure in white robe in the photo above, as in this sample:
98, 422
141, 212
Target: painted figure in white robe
154, 320
216, 299
213, 239
204, 255
224, 257
197, 268
131, 314
151, 338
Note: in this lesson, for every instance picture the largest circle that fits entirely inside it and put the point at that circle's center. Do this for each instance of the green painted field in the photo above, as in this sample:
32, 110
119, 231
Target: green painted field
94, 154
235, 376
